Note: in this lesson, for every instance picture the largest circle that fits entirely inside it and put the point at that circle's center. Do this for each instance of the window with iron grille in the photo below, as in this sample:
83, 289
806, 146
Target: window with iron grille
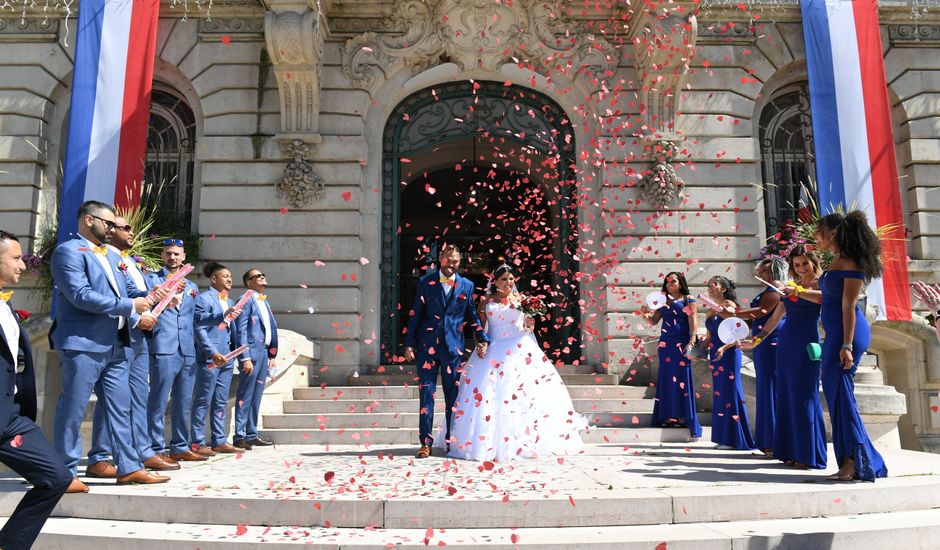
168, 172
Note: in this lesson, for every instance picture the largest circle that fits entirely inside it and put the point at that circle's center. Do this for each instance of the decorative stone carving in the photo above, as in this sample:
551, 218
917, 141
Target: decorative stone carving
661, 185
478, 34
732, 32
914, 35
664, 47
29, 29
300, 184
295, 45
236, 28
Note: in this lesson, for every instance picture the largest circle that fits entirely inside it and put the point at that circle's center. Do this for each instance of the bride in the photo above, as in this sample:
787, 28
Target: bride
511, 401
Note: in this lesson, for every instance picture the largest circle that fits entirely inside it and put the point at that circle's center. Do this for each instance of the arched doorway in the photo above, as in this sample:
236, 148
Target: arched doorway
490, 168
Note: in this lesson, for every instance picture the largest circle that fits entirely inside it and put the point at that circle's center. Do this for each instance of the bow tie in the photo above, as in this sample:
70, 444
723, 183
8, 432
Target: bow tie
447, 280
223, 296
125, 253
262, 297
5, 296
100, 250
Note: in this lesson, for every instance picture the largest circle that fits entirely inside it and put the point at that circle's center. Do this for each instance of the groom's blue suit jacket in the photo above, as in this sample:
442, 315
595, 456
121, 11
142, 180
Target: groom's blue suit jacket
437, 321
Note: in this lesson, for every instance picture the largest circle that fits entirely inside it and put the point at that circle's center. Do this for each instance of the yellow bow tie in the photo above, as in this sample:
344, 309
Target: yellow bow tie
125, 253
223, 296
446, 280
100, 250
5, 296
262, 297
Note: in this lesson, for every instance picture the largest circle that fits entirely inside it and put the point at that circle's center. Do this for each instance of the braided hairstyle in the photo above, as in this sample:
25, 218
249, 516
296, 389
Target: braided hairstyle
855, 241
729, 286
777, 267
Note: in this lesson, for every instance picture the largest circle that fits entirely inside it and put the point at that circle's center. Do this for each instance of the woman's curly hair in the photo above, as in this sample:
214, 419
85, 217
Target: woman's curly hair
856, 241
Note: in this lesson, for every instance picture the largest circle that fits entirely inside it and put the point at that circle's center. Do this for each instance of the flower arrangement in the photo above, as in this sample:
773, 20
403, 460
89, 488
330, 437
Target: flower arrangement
532, 305
23, 316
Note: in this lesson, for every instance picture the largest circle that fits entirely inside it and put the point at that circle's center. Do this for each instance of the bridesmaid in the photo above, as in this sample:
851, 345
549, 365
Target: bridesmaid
730, 429
857, 260
773, 271
674, 405
800, 432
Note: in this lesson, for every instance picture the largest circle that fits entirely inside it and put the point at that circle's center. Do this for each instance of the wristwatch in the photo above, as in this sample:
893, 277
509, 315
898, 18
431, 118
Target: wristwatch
847, 346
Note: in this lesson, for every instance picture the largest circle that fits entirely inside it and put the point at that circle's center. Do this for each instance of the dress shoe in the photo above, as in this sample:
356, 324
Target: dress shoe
258, 442
203, 450
101, 469
188, 456
423, 452
158, 464
242, 444
226, 449
77, 486
141, 477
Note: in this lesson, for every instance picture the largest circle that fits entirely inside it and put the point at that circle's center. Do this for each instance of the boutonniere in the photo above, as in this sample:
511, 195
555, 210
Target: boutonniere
123, 267
193, 293
22, 315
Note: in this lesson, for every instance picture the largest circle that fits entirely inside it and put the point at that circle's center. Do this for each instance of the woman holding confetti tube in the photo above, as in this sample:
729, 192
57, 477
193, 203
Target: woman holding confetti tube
675, 390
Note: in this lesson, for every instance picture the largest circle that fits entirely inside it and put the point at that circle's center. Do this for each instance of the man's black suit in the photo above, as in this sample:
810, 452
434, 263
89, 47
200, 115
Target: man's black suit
24, 448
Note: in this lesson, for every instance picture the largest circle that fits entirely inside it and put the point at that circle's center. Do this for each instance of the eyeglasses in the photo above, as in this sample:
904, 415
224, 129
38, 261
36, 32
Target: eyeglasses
172, 242
107, 223
255, 276
125, 228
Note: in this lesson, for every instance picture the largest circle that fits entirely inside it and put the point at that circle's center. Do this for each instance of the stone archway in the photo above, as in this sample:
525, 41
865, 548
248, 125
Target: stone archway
490, 168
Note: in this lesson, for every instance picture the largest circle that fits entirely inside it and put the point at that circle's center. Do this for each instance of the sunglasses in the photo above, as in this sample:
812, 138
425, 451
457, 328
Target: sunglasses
107, 223
255, 276
172, 242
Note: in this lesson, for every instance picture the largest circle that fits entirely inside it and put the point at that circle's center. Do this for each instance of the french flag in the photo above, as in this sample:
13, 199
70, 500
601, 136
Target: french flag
852, 134
110, 109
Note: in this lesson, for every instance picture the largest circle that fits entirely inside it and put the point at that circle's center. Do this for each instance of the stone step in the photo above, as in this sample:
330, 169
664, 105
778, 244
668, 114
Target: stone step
411, 392
908, 530
323, 406
412, 380
412, 369
410, 420
408, 435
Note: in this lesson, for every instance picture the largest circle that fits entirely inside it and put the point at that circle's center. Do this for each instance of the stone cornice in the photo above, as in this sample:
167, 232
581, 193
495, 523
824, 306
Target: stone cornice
28, 30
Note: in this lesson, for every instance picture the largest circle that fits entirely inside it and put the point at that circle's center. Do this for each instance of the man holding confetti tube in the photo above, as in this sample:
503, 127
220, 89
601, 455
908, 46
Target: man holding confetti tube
257, 329
215, 339
173, 359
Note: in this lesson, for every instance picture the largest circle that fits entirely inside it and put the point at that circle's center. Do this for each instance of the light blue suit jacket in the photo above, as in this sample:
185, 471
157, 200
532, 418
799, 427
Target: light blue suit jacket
209, 338
87, 305
175, 330
251, 330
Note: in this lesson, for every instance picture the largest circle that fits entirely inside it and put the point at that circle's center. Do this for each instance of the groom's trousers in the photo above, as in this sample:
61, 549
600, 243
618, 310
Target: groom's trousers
429, 366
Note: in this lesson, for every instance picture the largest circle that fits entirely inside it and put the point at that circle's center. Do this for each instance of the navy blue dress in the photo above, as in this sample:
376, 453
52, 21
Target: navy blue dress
765, 368
675, 390
849, 438
800, 432
729, 415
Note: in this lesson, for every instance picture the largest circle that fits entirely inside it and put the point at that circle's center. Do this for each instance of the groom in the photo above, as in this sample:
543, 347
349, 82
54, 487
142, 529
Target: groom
443, 306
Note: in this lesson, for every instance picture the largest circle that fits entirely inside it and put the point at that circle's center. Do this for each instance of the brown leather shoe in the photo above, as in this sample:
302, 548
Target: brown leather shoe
104, 469
226, 449
77, 486
242, 444
188, 456
203, 450
141, 477
258, 442
158, 464
423, 452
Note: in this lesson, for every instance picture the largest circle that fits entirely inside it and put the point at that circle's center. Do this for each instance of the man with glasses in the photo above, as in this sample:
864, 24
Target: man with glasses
93, 316
173, 361
257, 329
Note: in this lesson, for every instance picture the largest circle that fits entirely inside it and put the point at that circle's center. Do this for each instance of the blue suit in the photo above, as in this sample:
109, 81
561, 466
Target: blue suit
138, 359
212, 382
251, 333
172, 369
435, 331
92, 350
31, 455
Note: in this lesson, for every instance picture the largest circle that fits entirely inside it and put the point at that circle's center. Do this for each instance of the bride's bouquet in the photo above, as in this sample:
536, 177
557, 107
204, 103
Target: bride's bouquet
532, 306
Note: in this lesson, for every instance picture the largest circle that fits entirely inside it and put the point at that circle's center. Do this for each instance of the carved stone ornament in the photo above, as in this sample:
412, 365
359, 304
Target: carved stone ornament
478, 34
295, 46
300, 184
664, 48
661, 185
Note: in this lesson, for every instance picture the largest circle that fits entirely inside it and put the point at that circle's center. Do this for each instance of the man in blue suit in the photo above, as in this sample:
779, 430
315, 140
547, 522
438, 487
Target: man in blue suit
173, 361
257, 329
213, 371
443, 306
23, 447
91, 334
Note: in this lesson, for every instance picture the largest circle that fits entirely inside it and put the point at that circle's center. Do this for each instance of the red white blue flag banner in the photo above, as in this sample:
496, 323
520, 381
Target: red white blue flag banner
110, 109
852, 133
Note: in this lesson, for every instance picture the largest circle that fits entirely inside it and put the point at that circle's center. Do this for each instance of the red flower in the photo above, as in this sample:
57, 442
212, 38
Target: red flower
22, 314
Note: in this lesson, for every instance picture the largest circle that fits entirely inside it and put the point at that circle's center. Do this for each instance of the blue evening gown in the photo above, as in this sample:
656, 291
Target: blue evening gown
849, 438
765, 368
729, 414
675, 389
800, 432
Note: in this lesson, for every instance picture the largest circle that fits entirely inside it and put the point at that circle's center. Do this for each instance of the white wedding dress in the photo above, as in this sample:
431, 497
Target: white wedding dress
512, 402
